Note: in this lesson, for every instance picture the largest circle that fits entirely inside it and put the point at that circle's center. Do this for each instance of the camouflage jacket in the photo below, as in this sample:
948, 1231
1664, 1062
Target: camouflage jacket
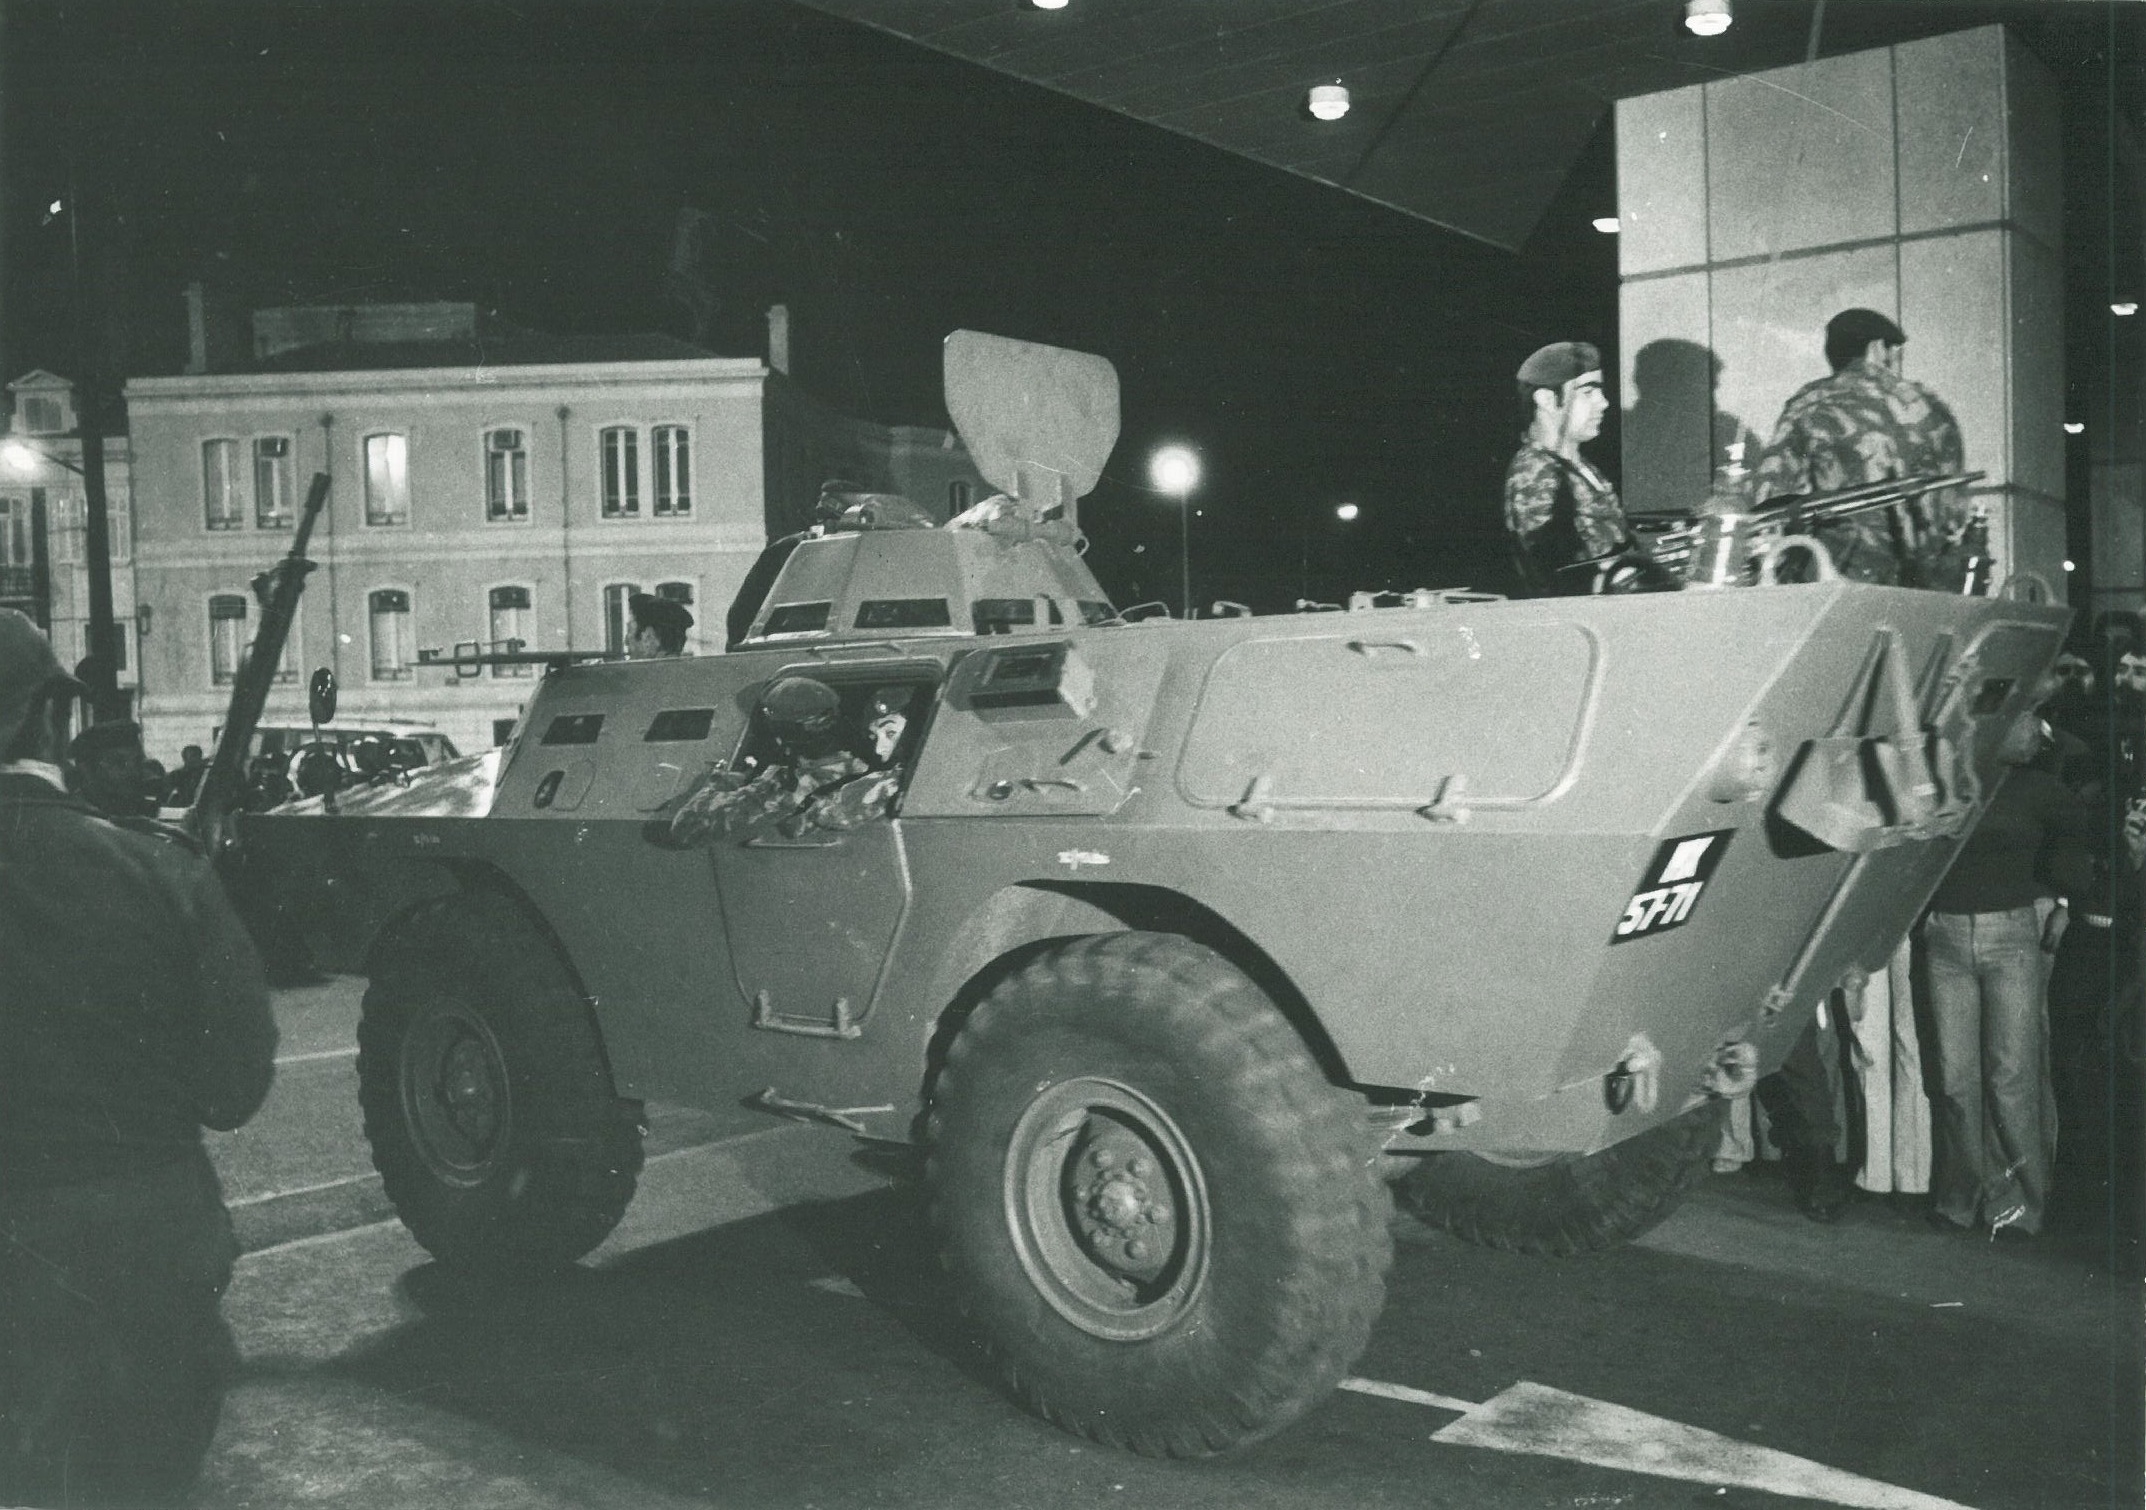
839, 792
1867, 424
1558, 513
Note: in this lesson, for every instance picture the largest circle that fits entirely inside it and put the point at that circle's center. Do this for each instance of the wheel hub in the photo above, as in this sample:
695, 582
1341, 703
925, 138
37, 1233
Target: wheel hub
455, 1099
1122, 1220
1108, 1208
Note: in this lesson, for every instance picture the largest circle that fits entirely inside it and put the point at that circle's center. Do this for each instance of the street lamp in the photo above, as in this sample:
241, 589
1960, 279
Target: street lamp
23, 458
1175, 470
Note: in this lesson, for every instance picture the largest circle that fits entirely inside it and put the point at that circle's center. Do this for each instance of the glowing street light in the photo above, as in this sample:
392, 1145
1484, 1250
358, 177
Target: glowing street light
1346, 512
23, 458
1175, 470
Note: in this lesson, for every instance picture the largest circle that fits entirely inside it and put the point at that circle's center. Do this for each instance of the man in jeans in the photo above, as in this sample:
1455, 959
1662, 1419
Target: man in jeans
132, 1014
1993, 1125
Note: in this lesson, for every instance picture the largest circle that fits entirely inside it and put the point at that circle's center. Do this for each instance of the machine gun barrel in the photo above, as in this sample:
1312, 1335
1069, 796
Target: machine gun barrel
1795, 516
278, 589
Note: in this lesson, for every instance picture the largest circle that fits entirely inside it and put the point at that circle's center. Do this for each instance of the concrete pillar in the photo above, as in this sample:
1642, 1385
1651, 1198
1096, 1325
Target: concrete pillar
1920, 180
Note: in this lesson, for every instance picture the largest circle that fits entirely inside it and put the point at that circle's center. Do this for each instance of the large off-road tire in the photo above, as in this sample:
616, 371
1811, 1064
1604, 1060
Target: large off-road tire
1167, 1226
1569, 1204
487, 1100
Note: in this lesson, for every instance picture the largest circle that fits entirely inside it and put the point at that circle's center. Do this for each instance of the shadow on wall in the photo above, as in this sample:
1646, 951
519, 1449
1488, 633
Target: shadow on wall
1676, 440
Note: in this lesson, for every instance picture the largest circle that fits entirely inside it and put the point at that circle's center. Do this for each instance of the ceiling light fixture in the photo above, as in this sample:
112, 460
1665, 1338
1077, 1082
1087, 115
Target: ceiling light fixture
2124, 308
1327, 102
1606, 224
1048, 4
1707, 18
2073, 427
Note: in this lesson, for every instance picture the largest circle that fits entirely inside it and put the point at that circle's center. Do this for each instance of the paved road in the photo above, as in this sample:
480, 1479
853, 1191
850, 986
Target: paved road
765, 1329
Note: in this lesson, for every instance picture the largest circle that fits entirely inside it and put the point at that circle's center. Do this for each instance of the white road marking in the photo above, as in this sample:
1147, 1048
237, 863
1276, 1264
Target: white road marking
276, 1195
1544, 1422
1406, 1395
317, 1055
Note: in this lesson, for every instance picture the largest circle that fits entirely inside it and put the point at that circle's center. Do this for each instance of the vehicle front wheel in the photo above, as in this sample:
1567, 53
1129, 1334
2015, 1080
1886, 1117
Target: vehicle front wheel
1167, 1225
487, 1100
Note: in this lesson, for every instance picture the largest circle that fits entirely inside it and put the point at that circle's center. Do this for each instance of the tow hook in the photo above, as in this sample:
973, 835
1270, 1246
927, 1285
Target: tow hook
1637, 1080
1734, 1072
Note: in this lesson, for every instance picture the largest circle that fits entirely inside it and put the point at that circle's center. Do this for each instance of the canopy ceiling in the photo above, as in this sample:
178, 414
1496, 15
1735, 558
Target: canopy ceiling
1468, 113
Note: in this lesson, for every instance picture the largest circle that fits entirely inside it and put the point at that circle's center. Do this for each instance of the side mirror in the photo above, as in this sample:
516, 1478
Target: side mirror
320, 697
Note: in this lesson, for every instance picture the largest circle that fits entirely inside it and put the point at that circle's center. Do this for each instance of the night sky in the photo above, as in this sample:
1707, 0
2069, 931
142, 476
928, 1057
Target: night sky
534, 157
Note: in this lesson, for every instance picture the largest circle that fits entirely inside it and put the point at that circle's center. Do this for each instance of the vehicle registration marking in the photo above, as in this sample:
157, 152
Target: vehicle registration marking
1671, 886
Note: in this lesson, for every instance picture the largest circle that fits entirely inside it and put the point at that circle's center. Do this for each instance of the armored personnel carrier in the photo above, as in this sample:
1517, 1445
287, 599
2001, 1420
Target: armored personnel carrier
1171, 943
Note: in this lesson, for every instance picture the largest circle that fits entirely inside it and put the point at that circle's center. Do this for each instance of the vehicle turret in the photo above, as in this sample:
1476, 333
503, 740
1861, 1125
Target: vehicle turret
1039, 423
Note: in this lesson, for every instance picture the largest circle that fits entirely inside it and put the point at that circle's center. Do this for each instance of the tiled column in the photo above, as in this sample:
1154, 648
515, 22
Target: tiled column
1919, 180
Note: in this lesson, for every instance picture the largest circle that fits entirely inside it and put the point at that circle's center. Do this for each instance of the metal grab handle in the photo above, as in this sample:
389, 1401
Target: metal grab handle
1372, 647
765, 841
1768, 553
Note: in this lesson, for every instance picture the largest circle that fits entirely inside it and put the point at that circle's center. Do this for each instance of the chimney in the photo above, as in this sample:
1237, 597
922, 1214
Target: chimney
197, 329
778, 338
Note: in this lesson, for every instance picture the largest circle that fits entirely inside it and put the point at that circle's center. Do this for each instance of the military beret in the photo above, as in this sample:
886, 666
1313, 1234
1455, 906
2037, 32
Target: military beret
1559, 363
659, 614
800, 703
104, 738
27, 666
1854, 329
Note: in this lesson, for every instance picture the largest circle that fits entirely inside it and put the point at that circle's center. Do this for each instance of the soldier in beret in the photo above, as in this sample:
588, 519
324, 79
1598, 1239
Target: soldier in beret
1867, 423
1560, 511
132, 1015
819, 784
659, 627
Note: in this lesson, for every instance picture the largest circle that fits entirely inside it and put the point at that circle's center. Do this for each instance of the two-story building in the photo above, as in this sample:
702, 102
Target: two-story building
488, 485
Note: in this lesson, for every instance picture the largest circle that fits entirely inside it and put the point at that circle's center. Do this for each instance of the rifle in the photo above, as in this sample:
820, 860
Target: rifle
277, 590
1713, 550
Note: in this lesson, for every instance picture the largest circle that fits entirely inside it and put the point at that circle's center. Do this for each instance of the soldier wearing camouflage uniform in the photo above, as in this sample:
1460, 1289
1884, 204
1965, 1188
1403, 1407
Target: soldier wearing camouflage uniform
1866, 423
1560, 511
821, 785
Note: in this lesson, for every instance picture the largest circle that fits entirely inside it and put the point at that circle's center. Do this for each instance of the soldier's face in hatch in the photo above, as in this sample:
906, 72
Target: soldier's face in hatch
885, 730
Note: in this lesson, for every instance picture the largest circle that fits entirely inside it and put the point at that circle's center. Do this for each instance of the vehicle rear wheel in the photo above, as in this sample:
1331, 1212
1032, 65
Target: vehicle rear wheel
1168, 1227
1567, 1204
487, 1100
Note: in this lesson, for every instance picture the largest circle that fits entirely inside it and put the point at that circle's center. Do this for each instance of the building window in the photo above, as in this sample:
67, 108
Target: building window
43, 415
388, 612
957, 495
272, 482
618, 620
620, 448
673, 457
219, 485
15, 536
506, 475
510, 624
387, 479
227, 637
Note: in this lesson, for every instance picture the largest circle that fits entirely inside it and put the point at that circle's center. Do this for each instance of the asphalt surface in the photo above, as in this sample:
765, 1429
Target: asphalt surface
767, 1328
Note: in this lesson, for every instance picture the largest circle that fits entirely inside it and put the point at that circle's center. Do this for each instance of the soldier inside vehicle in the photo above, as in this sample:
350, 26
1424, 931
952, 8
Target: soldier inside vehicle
814, 758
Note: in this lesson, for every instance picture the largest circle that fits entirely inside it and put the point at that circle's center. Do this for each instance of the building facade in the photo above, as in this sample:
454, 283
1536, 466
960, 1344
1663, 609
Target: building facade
486, 490
44, 524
